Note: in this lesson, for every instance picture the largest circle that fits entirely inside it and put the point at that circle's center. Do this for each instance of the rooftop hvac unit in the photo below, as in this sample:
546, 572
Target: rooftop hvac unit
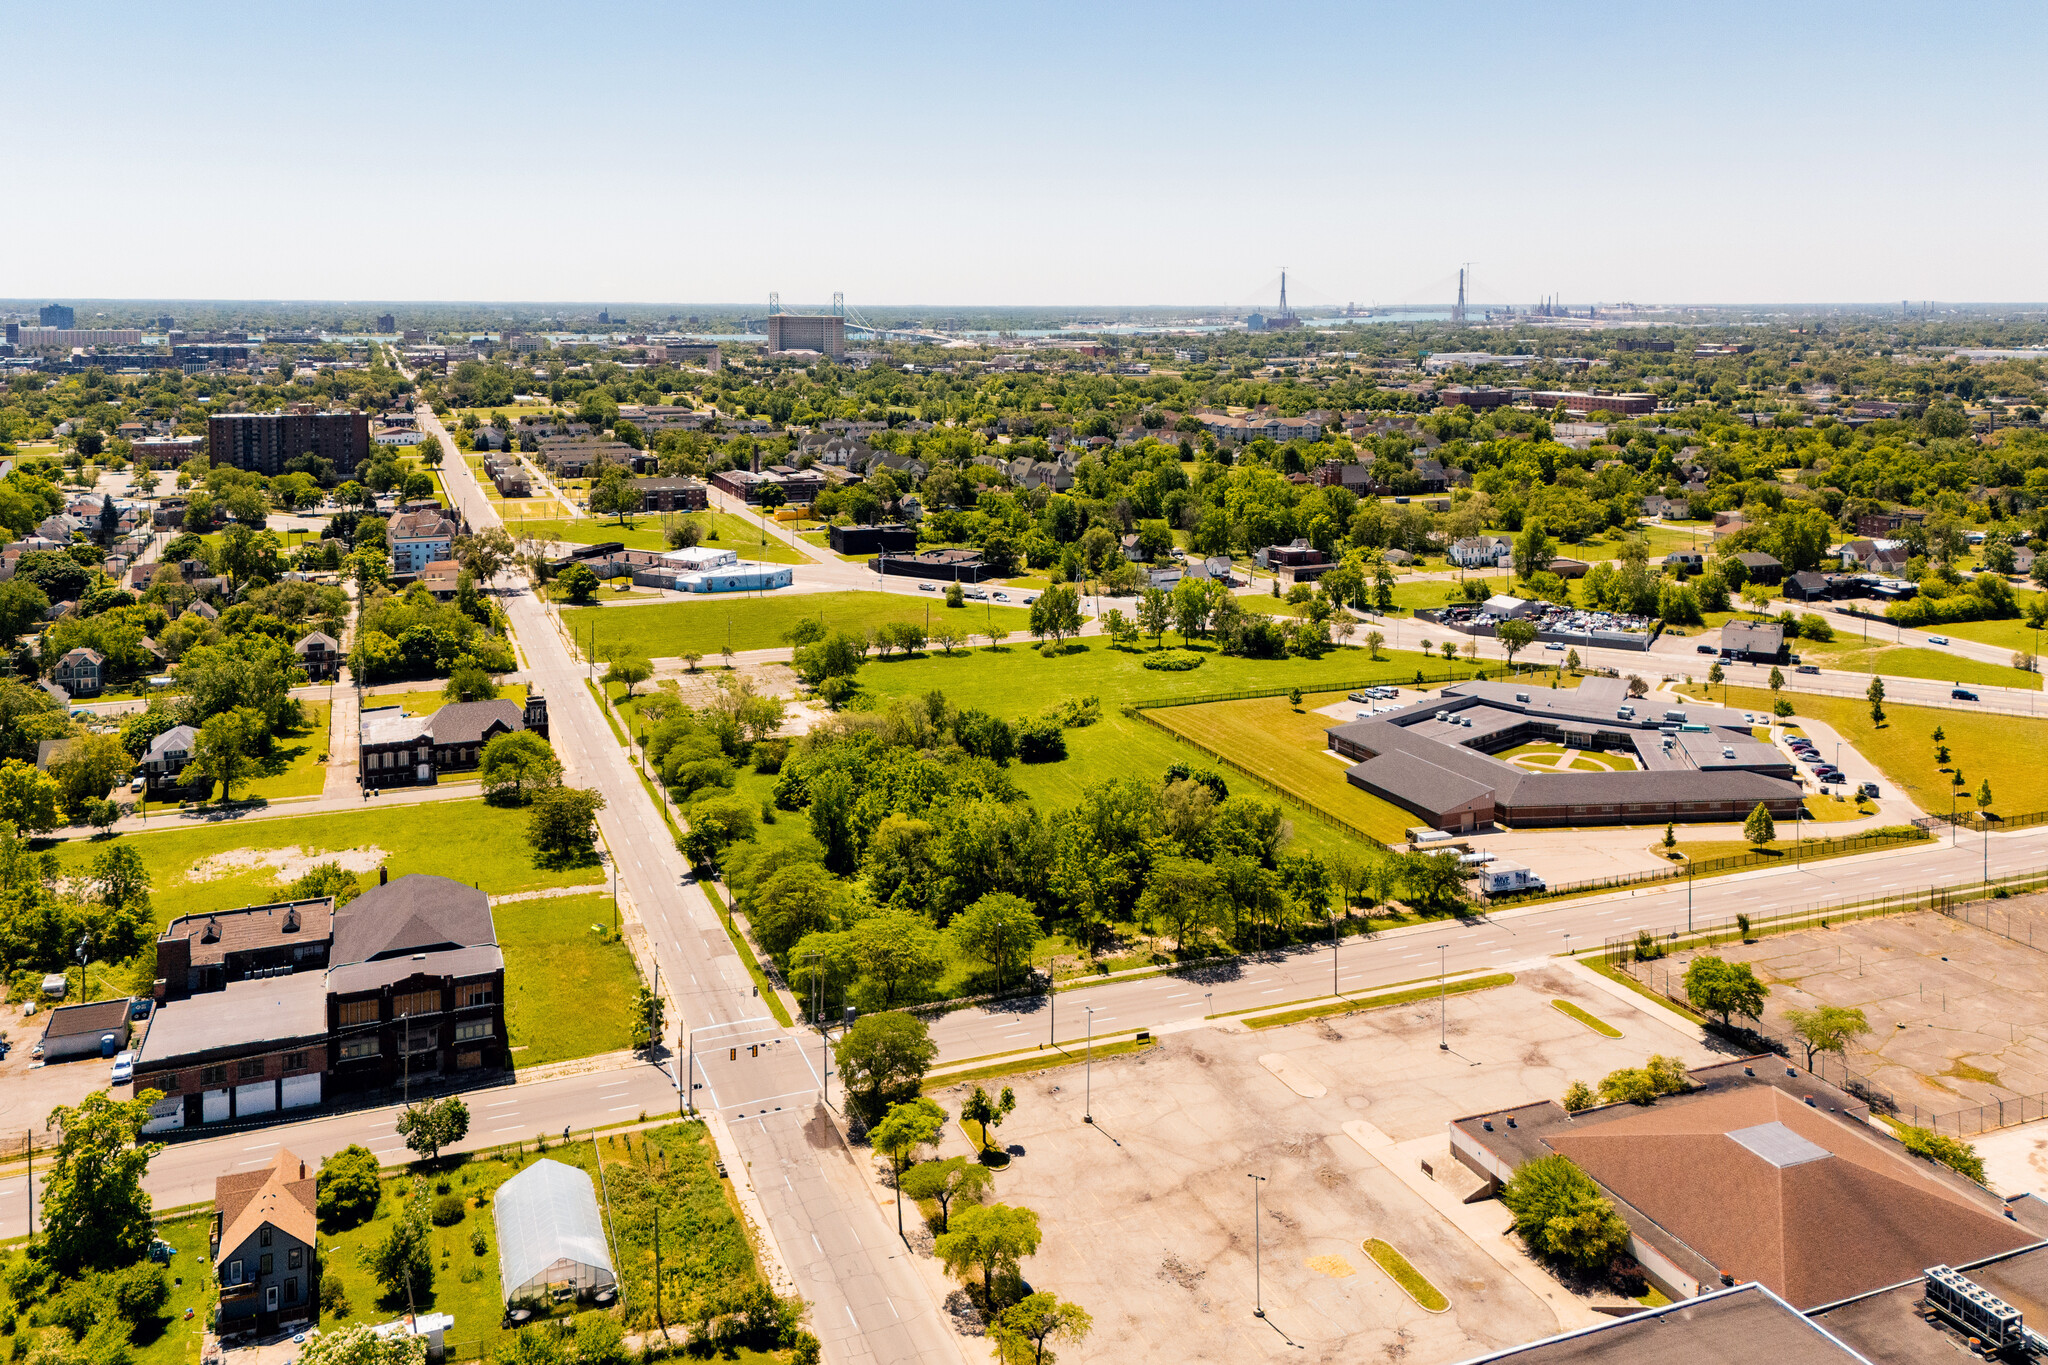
1976, 1311
1521, 696
1727, 751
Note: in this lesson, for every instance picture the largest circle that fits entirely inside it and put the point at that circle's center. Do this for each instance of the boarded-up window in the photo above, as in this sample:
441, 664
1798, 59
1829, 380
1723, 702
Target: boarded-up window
358, 1011
478, 993
417, 1002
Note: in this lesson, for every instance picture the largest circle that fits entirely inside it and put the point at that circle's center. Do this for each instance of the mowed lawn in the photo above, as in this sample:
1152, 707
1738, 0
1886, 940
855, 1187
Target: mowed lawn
428, 698
2014, 635
2004, 750
466, 840
1851, 655
1287, 746
569, 992
718, 530
675, 628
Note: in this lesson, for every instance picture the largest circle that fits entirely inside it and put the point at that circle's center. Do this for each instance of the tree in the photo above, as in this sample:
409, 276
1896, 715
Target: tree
1876, 696
883, 1058
1514, 636
1532, 550
1715, 986
1953, 1153
577, 583
403, 1262
356, 1344
1374, 640
95, 1215
120, 879
905, 1128
228, 745
348, 1187
650, 1017
1180, 899
1155, 613
1027, 1326
1561, 1213
1716, 677
1057, 613
28, 797
716, 823
991, 1239
1777, 679
469, 680
430, 1125
898, 951
1578, 1095
563, 825
1759, 828
1831, 1028
1000, 929
1637, 687
987, 1111
517, 764
630, 669
955, 1180
86, 769
1984, 796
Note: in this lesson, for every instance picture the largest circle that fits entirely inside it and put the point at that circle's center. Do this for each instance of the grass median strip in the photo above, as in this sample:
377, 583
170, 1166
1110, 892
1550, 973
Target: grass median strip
1599, 1026
1418, 1287
1037, 1061
1376, 1002
597, 695
1621, 977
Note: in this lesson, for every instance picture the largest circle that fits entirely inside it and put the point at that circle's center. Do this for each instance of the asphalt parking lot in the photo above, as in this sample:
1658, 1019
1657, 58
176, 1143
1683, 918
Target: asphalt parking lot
1147, 1213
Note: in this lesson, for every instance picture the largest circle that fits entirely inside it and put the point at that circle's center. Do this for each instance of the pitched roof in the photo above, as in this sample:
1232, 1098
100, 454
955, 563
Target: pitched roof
413, 914
1769, 1189
221, 932
465, 722
283, 1194
317, 639
545, 1214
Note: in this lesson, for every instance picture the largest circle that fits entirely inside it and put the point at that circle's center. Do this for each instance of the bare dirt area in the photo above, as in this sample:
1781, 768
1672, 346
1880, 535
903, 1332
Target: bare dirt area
1148, 1215
1958, 1005
291, 862
29, 1090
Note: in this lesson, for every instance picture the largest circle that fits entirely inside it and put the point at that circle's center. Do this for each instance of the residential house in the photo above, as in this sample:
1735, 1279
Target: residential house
1133, 548
1809, 586
443, 578
1431, 474
319, 654
1762, 568
1876, 556
1568, 568
163, 762
1398, 557
80, 672
417, 539
1482, 552
1684, 562
264, 1230
1668, 509
1341, 474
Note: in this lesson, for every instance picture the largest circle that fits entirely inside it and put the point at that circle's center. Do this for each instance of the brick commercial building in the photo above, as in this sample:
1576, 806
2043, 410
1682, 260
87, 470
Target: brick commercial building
672, 494
1622, 404
402, 750
264, 441
275, 1007
824, 333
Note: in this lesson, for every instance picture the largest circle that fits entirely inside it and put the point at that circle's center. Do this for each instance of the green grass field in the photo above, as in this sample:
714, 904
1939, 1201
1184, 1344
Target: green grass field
179, 1341
466, 840
1850, 654
568, 991
2003, 750
299, 751
644, 532
2014, 635
674, 628
1435, 592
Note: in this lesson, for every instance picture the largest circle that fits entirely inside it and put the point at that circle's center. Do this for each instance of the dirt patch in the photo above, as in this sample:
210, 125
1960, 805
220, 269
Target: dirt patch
1336, 1267
291, 862
1180, 1272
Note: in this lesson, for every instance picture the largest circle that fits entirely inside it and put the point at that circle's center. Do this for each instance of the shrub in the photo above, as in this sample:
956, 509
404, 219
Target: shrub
448, 1210
1173, 660
1043, 740
1953, 1153
1560, 1212
1577, 1096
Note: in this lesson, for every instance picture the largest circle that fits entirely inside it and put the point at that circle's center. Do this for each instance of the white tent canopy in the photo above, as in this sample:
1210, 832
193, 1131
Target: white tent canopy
550, 1233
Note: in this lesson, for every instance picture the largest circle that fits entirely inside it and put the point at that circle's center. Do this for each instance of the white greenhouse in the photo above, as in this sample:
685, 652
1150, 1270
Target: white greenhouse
551, 1241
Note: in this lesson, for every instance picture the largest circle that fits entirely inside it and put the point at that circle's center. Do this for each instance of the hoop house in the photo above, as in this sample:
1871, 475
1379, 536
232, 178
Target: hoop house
550, 1234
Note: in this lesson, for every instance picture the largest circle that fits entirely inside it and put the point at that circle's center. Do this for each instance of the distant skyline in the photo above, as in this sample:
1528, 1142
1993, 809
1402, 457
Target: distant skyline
1053, 156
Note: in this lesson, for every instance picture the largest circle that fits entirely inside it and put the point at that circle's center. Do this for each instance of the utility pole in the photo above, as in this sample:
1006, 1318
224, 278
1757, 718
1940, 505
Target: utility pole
1088, 1081
1443, 1039
1258, 1250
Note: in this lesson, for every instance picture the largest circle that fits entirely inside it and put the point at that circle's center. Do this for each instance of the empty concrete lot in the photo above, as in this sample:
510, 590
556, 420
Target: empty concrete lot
1147, 1214
1958, 1005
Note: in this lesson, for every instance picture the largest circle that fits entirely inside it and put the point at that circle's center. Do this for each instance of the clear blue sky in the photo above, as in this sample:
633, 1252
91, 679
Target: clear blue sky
1086, 153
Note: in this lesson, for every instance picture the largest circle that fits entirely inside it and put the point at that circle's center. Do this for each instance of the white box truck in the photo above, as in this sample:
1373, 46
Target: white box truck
1498, 878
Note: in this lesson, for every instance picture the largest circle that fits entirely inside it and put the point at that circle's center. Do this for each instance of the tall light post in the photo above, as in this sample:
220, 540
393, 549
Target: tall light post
1258, 1257
1443, 1028
1088, 1076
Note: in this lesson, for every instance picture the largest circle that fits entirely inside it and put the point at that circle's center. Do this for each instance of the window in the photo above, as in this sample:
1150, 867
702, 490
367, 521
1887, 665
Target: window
359, 1012
294, 1258
423, 1040
481, 993
294, 1061
266, 1262
213, 1075
291, 1290
263, 1237
167, 1083
474, 1029
358, 1047
417, 1002
249, 1068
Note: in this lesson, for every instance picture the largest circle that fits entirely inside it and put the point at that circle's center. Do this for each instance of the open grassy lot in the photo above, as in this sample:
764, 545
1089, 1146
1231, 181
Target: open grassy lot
2014, 635
1784, 847
179, 1342
2004, 750
575, 996
675, 628
1850, 654
1435, 592
297, 755
196, 867
721, 530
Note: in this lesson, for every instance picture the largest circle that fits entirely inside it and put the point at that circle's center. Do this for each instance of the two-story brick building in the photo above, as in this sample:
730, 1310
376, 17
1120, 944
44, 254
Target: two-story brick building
397, 749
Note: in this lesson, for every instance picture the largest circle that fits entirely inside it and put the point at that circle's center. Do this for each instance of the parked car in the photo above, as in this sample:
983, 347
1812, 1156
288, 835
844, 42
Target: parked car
124, 1068
1961, 694
1806, 668
138, 784
1359, 696
1703, 649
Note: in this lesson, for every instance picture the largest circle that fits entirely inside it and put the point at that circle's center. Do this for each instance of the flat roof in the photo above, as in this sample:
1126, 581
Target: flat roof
1738, 1326
271, 1009
392, 725
1887, 1326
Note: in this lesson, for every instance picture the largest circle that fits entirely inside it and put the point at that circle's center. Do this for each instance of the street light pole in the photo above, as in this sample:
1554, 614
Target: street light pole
1443, 1038
1088, 1069
1258, 1250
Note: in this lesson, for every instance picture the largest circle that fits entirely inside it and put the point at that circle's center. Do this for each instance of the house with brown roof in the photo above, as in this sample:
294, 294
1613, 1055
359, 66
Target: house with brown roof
1761, 1172
442, 578
397, 749
264, 1226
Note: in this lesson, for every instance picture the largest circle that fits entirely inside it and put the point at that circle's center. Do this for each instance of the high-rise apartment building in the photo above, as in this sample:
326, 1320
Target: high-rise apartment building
386, 322
58, 315
40, 338
265, 441
824, 333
